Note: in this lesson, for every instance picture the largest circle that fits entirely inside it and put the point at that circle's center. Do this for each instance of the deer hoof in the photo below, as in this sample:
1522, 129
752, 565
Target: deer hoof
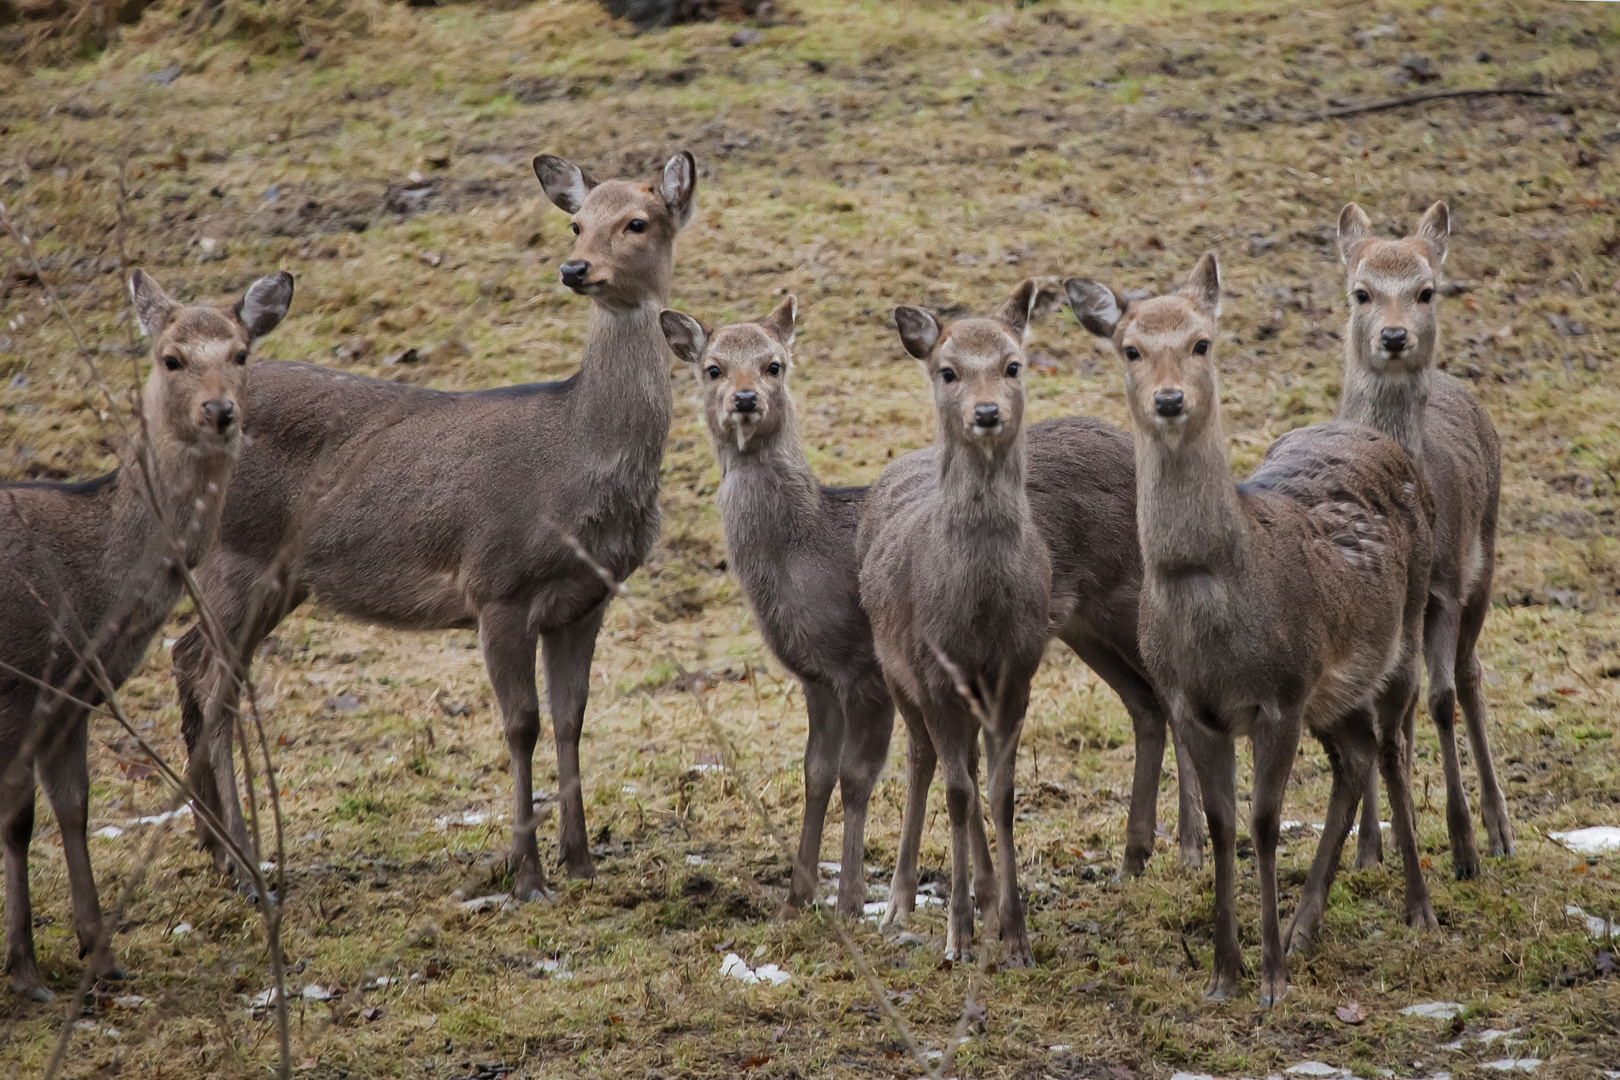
1218, 990
1421, 916
1465, 867
38, 994
1192, 858
1272, 992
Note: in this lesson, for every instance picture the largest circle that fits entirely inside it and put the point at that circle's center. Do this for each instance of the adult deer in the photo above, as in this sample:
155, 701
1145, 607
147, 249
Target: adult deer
1292, 600
459, 510
88, 573
1390, 383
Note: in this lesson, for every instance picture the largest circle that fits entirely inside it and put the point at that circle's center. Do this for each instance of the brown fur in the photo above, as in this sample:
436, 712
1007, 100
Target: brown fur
1451, 440
89, 569
1291, 600
456, 514
954, 572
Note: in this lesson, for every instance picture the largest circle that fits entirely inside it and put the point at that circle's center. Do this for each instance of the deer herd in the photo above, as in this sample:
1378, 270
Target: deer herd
1307, 596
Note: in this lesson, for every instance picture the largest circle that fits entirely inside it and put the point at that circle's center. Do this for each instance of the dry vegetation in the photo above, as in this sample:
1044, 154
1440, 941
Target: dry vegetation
859, 155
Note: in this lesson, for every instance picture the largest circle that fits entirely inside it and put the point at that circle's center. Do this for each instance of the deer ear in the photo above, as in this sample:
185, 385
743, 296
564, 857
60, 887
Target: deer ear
779, 323
1203, 285
1098, 307
153, 306
565, 183
1434, 227
919, 330
265, 304
1032, 300
678, 185
1354, 227
686, 336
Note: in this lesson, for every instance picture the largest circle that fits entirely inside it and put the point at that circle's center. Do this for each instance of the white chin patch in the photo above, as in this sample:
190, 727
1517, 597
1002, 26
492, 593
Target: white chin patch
743, 425
984, 432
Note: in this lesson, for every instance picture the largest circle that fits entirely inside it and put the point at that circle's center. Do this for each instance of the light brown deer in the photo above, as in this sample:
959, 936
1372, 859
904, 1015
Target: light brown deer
1292, 599
957, 581
88, 574
458, 508
1390, 383
791, 543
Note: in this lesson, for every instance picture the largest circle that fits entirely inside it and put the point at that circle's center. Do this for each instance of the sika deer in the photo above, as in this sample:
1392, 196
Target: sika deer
957, 582
1296, 596
456, 504
89, 575
1391, 384
791, 542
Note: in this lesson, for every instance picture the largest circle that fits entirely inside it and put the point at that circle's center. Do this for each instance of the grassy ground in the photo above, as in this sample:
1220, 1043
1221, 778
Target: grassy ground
859, 155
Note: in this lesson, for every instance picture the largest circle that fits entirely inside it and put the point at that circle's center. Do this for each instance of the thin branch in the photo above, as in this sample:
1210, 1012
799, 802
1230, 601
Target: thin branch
1416, 99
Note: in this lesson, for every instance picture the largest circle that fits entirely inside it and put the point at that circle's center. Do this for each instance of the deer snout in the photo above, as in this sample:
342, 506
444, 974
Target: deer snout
986, 415
219, 414
1393, 339
1169, 403
574, 272
745, 401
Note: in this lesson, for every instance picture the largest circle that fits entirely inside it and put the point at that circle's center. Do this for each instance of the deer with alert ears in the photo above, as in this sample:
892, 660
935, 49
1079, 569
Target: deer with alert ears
89, 572
461, 510
1391, 383
791, 542
957, 581
1294, 599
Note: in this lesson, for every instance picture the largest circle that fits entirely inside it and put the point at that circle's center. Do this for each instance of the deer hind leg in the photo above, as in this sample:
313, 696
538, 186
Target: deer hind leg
868, 725
65, 775
566, 655
1148, 725
1396, 707
508, 643
1471, 697
821, 753
1001, 746
1352, 751
1369, 836
20, 959
954, 740
1440, 629
920, 762
1216, 760
1275, 744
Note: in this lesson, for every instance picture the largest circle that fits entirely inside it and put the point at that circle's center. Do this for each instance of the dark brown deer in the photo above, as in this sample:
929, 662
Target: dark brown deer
88, 573
459, 508
1390, 383
957, 581
1295, 598
791, 542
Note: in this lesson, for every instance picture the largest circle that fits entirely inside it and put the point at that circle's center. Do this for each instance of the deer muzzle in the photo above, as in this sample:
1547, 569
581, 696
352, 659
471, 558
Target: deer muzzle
219, 414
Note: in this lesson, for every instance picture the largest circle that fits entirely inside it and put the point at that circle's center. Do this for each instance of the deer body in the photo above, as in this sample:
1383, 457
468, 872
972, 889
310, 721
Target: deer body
1293, 600
957, 582
457, 508
791, 543
1391, 384
91, 571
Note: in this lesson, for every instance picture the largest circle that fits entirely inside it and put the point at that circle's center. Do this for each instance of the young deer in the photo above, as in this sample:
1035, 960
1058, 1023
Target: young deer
791, 542
1391, 384
957, 581
88, 574
1296, 596
456, 505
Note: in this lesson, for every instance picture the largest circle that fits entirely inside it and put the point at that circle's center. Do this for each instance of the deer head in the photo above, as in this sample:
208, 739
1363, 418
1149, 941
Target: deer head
1392, 286
742, 370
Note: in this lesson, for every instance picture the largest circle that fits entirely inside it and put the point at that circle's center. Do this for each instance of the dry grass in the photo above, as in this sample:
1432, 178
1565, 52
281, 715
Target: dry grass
866, 155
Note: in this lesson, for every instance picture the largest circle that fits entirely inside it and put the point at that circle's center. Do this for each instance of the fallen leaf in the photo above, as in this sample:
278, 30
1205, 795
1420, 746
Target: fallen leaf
1351, 1013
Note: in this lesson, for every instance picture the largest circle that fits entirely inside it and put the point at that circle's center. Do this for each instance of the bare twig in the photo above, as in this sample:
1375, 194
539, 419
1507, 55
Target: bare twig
1416, 99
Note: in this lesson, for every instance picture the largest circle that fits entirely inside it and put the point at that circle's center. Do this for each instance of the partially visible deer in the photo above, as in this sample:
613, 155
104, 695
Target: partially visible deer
957, 581
1292, 599
88, 573
459, 508
1391, 383
791, 542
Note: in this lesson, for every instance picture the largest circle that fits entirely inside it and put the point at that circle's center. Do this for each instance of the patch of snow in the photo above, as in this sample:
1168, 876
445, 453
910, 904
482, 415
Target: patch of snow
163, 818
182, 930
467, 819
628, 789
1194, 1076
1513, 1064
1596, 840
1063, 1048
735, 967
484, 903
830, 869
1595, 927
129, 1001
1315, 1068
108, 832
553, 968
1434, 1010
696, 860
316, 992
707, 766
264, 998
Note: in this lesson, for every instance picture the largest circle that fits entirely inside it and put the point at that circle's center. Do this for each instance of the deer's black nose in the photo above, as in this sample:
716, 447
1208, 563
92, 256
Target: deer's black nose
986, 415
1169, 402
745, 400
219, 414
574, 271
1393, 338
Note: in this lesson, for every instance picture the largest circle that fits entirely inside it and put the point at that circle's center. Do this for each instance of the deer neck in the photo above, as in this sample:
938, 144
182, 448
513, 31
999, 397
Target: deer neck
982, 493
1395, 404
1187, 509
167, 493
624, 401
767, 487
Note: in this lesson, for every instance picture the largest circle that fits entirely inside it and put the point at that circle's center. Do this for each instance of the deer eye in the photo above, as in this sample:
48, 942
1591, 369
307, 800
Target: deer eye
1131, 353
637, 225
714, 372
172, 362
1202, 347
1012, 370
575, 226
774, 369
241, 356
1362, 296
947, 375
1425, 296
